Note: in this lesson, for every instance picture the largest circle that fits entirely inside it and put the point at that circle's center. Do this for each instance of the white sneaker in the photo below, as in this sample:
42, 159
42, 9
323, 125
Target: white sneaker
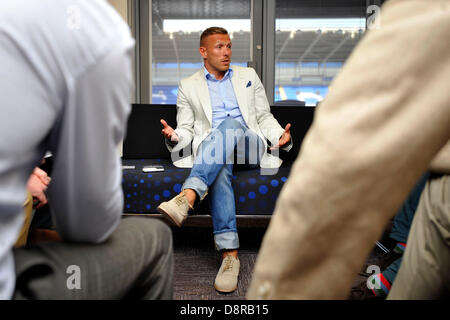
227, 277
176, 209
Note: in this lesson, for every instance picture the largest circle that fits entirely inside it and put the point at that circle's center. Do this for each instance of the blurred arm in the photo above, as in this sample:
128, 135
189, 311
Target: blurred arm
86, 193
385, 117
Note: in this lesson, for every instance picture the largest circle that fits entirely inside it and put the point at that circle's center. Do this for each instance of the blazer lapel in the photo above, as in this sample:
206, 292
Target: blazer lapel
203, 94
240, 91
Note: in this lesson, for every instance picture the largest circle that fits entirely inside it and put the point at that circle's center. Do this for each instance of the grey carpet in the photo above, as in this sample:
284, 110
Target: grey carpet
197, 263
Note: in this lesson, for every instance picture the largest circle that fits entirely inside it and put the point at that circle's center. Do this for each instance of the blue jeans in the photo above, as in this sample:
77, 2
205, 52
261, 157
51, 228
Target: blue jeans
404, 217
402, 224
229, 144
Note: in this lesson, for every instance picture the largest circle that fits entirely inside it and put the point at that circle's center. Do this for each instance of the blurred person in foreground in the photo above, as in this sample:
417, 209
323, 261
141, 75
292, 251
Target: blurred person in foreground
385, 122
65, 85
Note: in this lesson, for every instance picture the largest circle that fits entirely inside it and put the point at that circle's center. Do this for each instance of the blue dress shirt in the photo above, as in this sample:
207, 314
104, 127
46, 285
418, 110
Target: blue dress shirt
223, 100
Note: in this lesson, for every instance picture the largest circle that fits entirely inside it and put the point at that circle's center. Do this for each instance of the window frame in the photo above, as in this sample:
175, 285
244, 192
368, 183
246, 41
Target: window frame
263, 15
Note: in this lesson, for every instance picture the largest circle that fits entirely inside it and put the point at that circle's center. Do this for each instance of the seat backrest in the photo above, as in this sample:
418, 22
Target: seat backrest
300, 119
144, 140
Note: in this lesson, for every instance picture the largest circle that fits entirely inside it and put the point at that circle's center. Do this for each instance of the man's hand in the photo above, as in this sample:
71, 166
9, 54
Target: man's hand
168, 132
285, 138
37, 184
41, 174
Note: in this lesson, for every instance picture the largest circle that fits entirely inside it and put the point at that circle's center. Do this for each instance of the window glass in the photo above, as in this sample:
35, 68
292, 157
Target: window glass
313, 41
176, 29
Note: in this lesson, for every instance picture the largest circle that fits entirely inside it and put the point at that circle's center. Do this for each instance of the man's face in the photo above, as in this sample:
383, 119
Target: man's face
216, 52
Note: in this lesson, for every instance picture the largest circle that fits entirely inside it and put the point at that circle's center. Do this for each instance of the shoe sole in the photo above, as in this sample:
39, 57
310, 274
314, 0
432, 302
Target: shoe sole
168, 216
224, 291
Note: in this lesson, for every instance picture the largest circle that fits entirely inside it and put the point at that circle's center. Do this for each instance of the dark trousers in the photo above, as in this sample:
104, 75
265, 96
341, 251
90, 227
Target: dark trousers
136, 262
404, 217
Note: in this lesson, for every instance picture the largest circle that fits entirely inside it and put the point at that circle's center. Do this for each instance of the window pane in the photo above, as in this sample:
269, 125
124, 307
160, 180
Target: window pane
313, 41
176, 29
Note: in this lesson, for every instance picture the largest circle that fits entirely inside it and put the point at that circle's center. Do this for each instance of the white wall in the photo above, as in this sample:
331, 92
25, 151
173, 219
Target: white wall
121, 6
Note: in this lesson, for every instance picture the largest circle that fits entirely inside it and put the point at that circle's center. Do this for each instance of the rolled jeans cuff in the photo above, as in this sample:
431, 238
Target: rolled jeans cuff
198, 185
226, 241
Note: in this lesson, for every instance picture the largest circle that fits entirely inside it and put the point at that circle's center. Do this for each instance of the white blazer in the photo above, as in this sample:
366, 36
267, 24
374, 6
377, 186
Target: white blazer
194, 114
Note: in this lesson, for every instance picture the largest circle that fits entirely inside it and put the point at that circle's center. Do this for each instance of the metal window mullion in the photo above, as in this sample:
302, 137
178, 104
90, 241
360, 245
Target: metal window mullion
145, 50
133, 22
268, 49
256, 36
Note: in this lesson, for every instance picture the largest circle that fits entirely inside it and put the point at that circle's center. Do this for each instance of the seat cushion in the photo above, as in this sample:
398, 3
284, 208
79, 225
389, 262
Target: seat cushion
254, 194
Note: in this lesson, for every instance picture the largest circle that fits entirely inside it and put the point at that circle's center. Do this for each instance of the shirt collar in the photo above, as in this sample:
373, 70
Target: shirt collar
210, 76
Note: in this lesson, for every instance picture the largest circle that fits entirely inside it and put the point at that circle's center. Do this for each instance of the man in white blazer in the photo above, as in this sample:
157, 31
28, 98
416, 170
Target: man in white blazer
221, 110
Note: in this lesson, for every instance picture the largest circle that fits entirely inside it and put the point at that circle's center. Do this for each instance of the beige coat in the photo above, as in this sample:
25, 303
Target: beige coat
386, 116
194, 114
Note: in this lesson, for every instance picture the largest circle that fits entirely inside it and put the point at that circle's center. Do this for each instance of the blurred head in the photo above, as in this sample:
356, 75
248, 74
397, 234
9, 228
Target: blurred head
215, 48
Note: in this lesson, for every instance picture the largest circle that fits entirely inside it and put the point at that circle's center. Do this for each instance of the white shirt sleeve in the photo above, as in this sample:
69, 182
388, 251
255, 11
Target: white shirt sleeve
85, 194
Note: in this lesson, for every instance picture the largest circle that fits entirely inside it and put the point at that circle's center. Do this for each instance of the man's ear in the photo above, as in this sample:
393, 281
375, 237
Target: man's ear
202, 51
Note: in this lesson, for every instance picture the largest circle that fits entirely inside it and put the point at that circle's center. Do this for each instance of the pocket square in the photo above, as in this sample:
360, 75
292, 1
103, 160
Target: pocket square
248, 84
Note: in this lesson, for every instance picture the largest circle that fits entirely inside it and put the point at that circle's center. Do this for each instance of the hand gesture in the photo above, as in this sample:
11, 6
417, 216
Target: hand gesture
168, 132
285, 138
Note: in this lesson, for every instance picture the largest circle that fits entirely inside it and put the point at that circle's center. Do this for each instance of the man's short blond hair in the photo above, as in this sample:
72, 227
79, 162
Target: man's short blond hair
210, 31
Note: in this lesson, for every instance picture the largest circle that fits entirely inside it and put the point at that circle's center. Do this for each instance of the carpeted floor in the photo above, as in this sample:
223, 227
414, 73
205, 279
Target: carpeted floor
197, 263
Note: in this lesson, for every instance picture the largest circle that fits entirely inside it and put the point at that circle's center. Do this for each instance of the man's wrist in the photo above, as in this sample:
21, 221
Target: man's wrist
171, 143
